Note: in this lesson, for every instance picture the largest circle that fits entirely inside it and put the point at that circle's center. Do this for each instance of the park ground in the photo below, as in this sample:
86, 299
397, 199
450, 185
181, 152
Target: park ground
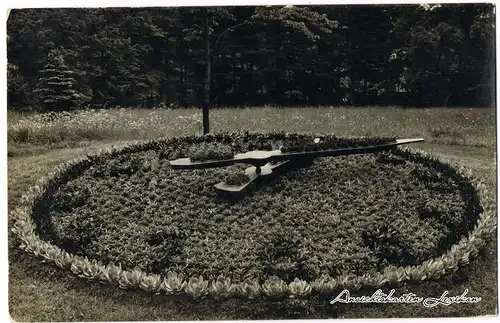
41, 292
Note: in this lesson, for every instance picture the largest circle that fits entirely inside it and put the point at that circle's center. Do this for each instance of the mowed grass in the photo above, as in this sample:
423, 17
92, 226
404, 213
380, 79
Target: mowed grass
42, 292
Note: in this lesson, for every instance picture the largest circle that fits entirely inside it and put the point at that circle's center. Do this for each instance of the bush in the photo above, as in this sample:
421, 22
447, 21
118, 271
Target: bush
331, 142
236, 179
206, 152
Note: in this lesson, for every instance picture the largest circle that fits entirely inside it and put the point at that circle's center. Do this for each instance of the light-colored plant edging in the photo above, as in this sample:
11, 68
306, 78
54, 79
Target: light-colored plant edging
176, 284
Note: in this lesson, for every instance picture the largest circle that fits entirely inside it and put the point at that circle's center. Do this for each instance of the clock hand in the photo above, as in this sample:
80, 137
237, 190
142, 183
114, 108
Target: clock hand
259, 158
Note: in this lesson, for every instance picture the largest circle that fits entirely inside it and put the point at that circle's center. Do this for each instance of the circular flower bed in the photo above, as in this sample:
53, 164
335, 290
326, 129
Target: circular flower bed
125, 217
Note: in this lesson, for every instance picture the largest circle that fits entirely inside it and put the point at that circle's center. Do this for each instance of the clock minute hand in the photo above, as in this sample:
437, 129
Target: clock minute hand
261, 157
344, 151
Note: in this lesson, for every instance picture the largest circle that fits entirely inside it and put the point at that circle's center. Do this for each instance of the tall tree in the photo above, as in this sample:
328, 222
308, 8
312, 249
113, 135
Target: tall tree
285, 55
57, 87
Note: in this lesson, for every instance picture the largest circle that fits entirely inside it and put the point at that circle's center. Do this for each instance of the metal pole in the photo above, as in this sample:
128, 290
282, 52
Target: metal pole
206, 82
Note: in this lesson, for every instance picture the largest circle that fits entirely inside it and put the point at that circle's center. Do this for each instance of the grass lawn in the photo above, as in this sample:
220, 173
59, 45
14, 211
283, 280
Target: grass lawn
42, 292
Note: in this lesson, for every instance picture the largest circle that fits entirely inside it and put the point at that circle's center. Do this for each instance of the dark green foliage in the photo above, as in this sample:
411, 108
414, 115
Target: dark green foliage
388, 158
237, 179
401, 242
167, 246
332, 142
385, 243
285, 256
303, 55
57, 87
215, 151
121, 165
340, 215
17, 84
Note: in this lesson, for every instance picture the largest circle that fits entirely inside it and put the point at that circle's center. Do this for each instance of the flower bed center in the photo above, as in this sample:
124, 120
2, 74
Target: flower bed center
340, 215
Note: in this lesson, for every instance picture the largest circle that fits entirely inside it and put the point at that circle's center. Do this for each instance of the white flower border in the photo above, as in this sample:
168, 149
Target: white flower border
176, 284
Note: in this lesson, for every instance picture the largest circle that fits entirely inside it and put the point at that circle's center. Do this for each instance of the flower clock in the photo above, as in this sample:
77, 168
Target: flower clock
340, 213
266, 161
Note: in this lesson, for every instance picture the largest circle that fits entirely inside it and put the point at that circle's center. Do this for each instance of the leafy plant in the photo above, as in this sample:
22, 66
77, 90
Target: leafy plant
237, 179
284, 256
210, 151
331, 142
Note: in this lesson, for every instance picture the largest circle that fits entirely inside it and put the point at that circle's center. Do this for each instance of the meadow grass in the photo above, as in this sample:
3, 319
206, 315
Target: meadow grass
471, 127
42, 292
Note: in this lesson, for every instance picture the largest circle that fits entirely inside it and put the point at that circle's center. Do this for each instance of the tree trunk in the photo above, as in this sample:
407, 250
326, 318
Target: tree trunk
206, 82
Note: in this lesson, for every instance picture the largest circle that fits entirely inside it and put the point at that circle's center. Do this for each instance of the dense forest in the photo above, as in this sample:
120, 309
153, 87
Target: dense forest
408, 55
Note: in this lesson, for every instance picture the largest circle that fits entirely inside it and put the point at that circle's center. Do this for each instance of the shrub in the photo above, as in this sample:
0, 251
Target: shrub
238, 178
206, 152
331, 142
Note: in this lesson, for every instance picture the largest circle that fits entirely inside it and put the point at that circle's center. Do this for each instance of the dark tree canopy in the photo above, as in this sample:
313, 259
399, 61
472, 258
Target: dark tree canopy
410, 55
